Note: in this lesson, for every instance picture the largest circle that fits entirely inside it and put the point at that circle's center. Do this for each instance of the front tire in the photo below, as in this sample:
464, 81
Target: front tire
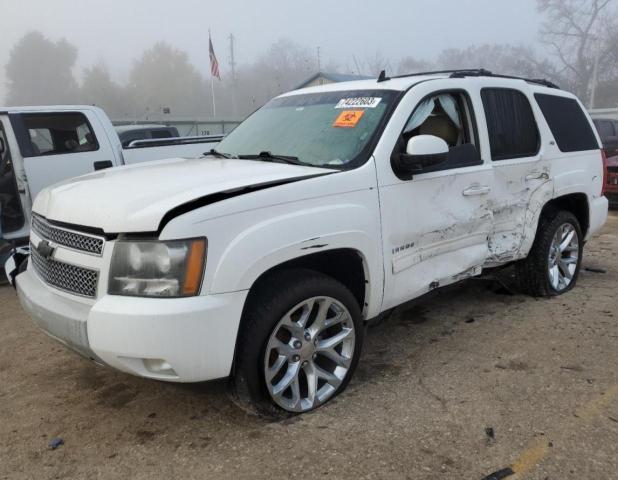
300, 341
553, 264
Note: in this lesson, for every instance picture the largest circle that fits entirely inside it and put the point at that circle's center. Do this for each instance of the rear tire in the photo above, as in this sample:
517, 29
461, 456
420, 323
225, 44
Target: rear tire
284, 358
553, 263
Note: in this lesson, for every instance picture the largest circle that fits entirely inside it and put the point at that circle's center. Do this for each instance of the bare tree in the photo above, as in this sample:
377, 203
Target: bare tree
413, 65
573, 33
376, 63
499, 58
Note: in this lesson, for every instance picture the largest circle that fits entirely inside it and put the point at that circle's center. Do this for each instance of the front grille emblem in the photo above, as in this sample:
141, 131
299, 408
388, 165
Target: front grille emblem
45, 249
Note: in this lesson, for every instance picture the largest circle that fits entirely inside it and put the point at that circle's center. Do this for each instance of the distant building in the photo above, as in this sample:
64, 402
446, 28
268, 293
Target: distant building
322, 78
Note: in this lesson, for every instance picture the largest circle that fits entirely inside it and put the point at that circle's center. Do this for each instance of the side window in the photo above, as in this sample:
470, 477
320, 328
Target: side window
513, 132
128, 137
604, 127
449, 116
156, 134
57, 133
568, 123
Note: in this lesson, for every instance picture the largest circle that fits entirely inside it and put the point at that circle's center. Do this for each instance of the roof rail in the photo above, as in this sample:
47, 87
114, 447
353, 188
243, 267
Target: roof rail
470, 72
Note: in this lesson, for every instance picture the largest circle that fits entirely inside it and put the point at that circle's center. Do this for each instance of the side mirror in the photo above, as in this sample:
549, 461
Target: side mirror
422, 152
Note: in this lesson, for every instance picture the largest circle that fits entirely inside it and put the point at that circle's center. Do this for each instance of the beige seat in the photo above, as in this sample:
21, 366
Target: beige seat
440, 126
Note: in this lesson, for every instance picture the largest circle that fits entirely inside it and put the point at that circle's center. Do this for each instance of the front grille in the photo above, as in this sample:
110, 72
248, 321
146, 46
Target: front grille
72, 279
612, 169
67, 238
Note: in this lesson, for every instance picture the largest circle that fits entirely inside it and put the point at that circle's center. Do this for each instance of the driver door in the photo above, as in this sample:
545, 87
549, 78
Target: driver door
435, 224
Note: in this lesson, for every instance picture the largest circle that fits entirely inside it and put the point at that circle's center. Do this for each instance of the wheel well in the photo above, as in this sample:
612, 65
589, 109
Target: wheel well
577, 204
344, 265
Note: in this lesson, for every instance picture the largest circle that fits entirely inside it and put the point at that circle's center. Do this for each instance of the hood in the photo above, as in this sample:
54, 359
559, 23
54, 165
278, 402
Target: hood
137, 197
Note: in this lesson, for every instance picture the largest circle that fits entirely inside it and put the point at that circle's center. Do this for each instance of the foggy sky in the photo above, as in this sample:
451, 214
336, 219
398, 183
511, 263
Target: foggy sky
116, 31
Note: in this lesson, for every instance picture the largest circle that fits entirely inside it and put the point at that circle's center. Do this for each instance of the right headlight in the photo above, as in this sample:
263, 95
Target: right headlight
153, 268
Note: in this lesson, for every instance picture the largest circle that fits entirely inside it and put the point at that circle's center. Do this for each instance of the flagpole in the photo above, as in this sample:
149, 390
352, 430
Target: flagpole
212, 87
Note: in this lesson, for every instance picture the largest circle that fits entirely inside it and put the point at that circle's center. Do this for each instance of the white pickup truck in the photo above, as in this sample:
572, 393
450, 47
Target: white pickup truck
40, 146
324, 209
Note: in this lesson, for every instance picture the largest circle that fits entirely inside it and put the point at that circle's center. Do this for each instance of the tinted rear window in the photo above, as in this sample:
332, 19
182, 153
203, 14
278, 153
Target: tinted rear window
510, 123
605, 128
568, 123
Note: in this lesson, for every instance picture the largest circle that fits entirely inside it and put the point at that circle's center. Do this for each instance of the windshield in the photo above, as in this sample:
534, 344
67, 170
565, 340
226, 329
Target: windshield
321, 129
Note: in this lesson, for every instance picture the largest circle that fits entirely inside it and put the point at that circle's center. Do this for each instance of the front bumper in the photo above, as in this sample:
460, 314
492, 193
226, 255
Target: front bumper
179, 340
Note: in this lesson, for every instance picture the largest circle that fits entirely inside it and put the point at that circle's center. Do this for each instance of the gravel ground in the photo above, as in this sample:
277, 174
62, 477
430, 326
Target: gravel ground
463, 384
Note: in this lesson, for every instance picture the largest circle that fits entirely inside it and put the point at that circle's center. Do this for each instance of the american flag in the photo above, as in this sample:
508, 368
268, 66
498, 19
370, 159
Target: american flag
214, 63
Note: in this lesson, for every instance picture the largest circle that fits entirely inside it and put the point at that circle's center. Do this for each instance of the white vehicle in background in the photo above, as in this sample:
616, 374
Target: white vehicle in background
40, 146
326, 208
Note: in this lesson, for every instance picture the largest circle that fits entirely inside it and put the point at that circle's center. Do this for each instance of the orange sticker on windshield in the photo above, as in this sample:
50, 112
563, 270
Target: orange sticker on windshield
348, 118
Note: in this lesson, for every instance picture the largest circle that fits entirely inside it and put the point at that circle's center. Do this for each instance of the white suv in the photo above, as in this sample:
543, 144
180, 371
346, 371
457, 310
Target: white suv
263, 260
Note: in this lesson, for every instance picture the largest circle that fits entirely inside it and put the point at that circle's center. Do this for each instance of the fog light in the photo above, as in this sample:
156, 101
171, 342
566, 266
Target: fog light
159, 367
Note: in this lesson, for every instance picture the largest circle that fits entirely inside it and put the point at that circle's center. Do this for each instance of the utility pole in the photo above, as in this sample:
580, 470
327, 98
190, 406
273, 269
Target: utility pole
232, 60
319, 61
233, 73
595, 72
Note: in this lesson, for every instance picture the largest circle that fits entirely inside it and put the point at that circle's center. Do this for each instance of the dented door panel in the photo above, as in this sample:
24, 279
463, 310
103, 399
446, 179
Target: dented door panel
433, 234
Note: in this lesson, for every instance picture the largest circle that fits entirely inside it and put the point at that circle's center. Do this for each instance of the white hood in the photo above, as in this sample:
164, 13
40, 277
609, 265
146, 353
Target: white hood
135, 198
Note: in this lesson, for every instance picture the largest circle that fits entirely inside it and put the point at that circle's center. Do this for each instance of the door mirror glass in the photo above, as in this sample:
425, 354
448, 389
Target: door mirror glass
422, 151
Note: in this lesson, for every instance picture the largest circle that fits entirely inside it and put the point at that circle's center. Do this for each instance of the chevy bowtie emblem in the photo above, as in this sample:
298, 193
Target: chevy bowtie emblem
45, 249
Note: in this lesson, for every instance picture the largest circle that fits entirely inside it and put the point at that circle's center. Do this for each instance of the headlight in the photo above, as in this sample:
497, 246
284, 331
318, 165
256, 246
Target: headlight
153, 268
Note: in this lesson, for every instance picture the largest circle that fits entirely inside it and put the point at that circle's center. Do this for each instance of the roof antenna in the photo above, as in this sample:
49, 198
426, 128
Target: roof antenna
382, 77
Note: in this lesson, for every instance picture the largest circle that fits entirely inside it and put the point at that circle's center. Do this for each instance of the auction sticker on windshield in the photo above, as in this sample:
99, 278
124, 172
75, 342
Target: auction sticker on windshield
348, 119
359, 102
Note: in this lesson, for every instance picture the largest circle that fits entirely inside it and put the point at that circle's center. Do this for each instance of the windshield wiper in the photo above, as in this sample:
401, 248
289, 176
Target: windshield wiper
214, 153
270, 157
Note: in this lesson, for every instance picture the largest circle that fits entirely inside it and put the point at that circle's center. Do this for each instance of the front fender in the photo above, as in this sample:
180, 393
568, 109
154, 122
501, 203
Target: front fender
277, 239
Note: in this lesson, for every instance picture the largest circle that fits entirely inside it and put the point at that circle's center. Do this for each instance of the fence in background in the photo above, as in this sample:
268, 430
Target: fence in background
604, 113
189, 127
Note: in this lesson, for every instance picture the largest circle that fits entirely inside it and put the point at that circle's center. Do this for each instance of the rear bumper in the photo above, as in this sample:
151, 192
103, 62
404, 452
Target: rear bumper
178, 340
598, 215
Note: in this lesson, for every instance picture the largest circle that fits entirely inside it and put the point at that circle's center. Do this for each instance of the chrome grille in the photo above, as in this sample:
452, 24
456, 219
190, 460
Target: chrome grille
67, 238
72, 279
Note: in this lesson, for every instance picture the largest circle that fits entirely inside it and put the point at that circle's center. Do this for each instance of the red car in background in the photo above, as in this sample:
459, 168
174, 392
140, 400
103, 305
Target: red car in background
608, 131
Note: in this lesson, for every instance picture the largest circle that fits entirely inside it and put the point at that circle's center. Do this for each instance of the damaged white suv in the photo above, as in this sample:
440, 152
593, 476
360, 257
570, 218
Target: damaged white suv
262, 260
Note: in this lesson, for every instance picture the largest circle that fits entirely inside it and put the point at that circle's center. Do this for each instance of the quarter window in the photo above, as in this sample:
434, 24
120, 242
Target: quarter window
604, 127
513, 132
568, 123
58, 133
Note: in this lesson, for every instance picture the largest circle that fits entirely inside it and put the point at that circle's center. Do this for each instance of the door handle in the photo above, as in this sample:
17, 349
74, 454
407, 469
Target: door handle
476, 190
103, 164
537, 176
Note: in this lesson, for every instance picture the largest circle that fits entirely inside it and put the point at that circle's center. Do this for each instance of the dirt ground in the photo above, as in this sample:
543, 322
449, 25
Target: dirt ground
464, 384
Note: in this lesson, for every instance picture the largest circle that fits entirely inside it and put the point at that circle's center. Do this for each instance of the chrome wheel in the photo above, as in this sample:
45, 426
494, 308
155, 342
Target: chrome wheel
309, 354
563, 257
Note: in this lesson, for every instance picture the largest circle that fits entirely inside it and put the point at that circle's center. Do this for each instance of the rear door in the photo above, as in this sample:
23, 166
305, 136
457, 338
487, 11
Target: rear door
60, 145
513, 143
